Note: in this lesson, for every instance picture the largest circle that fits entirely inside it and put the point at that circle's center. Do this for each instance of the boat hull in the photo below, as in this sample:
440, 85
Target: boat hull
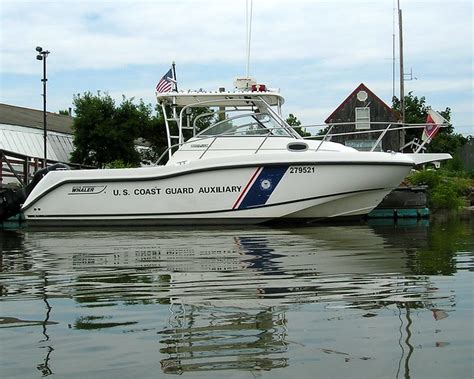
251, 193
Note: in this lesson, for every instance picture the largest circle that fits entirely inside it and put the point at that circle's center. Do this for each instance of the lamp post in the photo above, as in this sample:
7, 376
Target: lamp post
41, 56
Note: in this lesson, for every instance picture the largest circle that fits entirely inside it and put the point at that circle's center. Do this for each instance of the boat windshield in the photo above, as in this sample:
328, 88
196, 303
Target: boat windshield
252, 124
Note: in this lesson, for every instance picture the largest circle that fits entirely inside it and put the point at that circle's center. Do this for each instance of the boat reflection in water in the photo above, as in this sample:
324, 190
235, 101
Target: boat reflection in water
228, 292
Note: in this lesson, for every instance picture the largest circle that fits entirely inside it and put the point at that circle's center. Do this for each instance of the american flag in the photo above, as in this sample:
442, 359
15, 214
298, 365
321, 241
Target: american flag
166, 82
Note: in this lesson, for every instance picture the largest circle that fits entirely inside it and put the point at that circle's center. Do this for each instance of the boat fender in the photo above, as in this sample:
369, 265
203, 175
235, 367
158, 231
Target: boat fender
297, 146
11, 200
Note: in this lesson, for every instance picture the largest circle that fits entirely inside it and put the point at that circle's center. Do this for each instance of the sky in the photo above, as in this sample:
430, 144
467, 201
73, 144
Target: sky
315, 52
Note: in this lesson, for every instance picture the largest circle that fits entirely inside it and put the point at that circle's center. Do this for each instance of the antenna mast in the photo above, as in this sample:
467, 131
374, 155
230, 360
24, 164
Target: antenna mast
249, 10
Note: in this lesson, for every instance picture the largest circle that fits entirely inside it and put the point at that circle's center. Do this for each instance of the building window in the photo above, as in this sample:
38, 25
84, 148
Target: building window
362, 118
363, 144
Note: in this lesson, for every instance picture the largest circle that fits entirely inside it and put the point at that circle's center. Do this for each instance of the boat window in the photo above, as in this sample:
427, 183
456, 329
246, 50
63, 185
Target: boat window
246, 125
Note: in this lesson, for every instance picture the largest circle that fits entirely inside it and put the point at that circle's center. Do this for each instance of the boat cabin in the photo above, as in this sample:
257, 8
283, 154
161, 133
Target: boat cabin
199, 117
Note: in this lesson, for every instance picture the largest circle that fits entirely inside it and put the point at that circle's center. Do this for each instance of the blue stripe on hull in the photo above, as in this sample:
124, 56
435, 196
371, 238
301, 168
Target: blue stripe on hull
263, 186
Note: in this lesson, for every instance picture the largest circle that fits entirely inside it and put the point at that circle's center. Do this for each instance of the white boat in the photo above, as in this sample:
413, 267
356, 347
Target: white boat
248, 166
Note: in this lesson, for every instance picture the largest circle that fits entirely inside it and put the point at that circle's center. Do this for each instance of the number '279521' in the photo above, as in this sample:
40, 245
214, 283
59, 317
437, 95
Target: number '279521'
302, 169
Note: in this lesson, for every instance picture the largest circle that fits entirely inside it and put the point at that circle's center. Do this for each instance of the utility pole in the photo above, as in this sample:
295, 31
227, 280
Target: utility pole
41, 56
393, 52
402, 75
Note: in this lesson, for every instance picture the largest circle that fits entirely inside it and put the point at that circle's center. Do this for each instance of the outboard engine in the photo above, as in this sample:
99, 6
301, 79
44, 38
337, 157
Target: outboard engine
11, 200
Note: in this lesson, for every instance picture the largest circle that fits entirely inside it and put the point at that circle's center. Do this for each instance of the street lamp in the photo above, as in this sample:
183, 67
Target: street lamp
41, 56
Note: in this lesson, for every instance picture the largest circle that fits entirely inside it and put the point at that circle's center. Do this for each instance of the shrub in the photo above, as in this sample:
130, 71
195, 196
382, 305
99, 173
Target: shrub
428, 178
445, 191
446, 196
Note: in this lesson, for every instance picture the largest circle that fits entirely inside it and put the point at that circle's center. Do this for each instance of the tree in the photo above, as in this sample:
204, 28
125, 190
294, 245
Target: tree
154, 133
293, 121
416, 112
108, 135
105, 133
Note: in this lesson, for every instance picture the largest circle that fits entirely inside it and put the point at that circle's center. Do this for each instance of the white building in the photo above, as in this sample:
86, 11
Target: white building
21, 132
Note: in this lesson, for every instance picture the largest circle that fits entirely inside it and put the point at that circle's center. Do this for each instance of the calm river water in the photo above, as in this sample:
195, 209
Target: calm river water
353, 301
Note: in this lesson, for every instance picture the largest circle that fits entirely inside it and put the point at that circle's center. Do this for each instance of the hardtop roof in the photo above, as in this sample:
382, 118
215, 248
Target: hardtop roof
209, 99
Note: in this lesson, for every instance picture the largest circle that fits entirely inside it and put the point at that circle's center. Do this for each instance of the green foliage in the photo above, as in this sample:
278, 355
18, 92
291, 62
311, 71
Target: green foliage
120, 164
447, 143
203, 117
153, 131
204, 121
63, 112
445, 196
293, 121
444, 189
428, 178
416, 109
416, 112
104, 132
324, 130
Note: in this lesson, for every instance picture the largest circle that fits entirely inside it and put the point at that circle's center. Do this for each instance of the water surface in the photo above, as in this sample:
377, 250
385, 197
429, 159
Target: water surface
357, 301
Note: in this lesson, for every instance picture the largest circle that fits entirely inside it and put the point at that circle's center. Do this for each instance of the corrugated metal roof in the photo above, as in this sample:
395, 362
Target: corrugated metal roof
28, 141
33, 118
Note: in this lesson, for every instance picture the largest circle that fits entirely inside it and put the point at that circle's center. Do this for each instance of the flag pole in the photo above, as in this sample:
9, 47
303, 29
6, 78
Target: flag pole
175, 114
173, 66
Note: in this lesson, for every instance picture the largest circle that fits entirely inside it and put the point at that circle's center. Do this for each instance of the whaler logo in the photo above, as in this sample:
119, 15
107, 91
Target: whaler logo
89, 190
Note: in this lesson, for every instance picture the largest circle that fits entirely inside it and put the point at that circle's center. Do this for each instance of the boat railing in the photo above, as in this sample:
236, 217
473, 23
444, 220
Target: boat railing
215, 137
391, 127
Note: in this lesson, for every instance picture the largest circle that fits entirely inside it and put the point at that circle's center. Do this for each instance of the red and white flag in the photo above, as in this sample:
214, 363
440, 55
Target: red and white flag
434, 121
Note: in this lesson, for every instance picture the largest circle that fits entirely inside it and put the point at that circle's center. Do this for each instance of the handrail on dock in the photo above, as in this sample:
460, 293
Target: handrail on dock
23, 167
